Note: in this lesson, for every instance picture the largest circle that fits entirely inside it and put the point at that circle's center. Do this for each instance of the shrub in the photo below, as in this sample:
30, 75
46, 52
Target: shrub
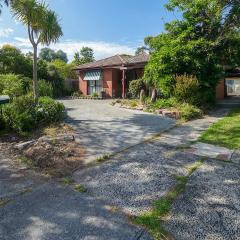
2, 123
14, 85
20, 114
45, 89
189, 111
23, 115
77, 94
95, 95
161, 103
135, 87
49, 111
187, 89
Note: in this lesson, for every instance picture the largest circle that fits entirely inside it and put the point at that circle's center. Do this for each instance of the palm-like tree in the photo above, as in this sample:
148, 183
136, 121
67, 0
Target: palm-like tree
7, 2
42, 25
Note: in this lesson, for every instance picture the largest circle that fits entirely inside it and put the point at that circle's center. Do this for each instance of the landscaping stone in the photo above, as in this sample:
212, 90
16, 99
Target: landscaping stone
211, 151
209, 208
23, 145
236, 157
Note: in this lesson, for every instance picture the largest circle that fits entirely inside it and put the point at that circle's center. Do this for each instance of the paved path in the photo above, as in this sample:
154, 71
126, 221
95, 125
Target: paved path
40, 209
105, 129
133, 179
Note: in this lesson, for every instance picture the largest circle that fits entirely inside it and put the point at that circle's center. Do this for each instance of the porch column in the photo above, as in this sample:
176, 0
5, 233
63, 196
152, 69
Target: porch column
123, 83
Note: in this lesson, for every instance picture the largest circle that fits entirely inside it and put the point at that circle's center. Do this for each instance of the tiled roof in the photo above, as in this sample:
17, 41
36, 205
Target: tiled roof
117, 60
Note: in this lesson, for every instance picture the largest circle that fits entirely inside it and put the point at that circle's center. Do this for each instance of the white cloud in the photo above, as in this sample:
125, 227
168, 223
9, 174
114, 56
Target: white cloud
5, 32
101, 49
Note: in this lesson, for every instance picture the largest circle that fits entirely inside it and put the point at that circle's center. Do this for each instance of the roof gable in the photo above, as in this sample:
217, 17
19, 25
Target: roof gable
117, 60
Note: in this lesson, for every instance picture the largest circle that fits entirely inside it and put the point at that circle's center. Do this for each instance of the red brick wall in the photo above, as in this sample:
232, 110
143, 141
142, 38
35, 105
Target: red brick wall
107, 82
82, 84
220, 90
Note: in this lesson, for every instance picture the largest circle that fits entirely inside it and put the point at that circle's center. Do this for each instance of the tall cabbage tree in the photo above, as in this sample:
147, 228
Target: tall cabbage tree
6, 2
42, 26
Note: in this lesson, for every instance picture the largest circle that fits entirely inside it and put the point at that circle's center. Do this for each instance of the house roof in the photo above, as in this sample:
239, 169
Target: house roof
117, 60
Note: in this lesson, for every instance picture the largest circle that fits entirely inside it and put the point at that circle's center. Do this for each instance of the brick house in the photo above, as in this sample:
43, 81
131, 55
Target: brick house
112, 76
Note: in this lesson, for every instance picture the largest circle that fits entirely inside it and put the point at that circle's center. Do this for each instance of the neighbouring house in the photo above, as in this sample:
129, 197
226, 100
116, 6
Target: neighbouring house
230, 85
111, 77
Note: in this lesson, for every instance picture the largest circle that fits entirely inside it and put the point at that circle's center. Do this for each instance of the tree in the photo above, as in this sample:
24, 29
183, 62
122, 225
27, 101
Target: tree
200, 44
50, 55
64, 70
6, 2
13, 61
61, 55
85, 55
42, 25
141, 50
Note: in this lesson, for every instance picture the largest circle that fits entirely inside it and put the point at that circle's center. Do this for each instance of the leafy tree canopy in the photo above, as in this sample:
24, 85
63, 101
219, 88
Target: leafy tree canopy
12, 60
85, 55
205, 40
50, 55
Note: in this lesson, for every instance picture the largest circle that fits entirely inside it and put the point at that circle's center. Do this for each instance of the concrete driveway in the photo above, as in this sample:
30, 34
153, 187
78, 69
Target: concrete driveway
104, 129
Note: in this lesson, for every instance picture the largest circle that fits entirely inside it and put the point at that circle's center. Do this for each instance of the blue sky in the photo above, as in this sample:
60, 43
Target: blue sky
108, 26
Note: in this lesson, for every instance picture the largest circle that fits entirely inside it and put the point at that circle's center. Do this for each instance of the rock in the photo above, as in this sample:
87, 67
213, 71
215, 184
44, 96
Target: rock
23, 145
58, 138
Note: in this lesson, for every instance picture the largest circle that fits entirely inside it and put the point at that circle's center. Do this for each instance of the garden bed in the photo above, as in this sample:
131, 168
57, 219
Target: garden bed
52, 150
164, 107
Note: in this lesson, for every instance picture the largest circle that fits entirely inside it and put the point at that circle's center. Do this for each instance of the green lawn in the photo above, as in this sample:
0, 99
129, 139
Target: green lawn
225, 132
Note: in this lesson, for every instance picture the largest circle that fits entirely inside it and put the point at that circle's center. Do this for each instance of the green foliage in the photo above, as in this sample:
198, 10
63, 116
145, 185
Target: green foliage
50, 55
161, 103
189, 112
13, 61
23, 115
187, 89
14, 85
77, 94
95, 95
225, 132
85, 55
135, 87
199, 44
45, 88
48, 110
20, 115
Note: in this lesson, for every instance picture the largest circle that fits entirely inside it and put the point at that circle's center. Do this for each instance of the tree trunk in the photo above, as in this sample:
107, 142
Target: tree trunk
142, 96
154, 95
35, 85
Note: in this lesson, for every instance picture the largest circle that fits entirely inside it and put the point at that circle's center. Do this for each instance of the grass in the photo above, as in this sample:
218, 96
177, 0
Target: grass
153, 220
4, 202
26, 161
103, 158
80, 188
225, 132
68, 181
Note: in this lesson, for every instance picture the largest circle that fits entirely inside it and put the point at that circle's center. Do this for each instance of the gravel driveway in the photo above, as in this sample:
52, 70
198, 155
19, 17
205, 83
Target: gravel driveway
105, 129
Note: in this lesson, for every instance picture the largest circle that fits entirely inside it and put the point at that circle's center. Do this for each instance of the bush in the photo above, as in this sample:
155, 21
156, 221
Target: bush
23, 115
49, 111
95, 95
20, 114
161, 103
187, 89
77, 94
45, 89
14, 85
135, 87
189, 112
